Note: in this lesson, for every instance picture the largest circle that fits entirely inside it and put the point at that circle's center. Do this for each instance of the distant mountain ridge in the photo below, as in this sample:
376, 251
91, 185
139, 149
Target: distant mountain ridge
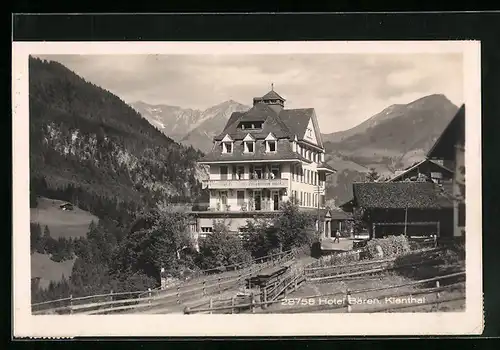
388, 113
178, 123
393, 111
173, 121
391, 140
215, 118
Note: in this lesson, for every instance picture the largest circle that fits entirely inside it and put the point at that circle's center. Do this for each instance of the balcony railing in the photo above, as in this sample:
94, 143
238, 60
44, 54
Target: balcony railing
263, 205
255, 183
319, 190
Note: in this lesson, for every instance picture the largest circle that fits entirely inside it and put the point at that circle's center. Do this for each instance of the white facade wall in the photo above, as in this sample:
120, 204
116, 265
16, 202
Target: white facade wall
231, 194
307, 184
232, 224
296, 184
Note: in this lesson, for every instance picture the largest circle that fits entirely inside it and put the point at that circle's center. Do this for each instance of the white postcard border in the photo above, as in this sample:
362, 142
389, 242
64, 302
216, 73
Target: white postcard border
446, 323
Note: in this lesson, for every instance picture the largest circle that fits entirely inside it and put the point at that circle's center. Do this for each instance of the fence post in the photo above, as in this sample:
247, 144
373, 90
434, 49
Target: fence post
204, 287
149, 295
253, 302
218, 285
438, 295
178, 295
111, 295
348, 301
71, 303
210, 305
232, 304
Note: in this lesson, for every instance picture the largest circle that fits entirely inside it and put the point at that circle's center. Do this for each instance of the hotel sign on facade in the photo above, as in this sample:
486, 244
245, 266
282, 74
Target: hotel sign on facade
257, 183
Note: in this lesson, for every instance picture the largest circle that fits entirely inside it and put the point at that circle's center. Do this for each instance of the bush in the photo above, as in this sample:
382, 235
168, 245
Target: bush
430, 263
222, 248
290, 228
391, 246
337, 259
130, 281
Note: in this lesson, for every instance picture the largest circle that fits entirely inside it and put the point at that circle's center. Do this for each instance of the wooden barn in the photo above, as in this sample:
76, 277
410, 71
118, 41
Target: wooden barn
450, 147
411, 208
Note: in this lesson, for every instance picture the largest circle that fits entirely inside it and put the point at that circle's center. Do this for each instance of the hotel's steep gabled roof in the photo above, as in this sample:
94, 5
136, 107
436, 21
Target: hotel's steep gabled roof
297, 120
285, 125
283, 152
259, 112
272, 95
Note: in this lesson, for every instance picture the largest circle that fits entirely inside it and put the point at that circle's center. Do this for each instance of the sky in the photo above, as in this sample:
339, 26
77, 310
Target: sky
344, 89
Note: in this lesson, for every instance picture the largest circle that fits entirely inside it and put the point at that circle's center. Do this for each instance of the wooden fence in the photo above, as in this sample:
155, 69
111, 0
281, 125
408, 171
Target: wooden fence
191, 290
360, 255
281, 286
347, 301
330, 272
278, 289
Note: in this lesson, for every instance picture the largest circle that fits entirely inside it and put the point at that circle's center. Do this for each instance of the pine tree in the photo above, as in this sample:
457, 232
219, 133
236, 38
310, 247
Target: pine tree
35, 238
372, 176
46, 232
49, 243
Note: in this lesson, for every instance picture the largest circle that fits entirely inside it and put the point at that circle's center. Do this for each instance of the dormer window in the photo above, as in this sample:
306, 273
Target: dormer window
271, 143
249, 147
251, 125
227, 144
227, 147
249, 144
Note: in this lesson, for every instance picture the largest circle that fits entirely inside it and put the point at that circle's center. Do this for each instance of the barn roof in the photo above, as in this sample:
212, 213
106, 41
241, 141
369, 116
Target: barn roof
338, 214
412, 167
454, 133
335, 214
400, 195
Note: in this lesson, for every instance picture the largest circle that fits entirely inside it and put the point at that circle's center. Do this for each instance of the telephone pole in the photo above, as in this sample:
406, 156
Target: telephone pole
319, 211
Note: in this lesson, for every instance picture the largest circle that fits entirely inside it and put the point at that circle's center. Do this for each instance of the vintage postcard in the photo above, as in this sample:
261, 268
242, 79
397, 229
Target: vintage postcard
247, 188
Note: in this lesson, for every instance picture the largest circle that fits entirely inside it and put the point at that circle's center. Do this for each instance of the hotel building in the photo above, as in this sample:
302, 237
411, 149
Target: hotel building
262, 158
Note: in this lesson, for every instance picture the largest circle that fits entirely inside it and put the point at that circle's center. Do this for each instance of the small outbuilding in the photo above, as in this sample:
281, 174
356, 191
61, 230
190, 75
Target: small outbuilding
410, 208
66, 206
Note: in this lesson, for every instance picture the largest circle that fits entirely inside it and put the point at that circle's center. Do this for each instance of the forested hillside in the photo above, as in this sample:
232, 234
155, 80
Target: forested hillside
88, 147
